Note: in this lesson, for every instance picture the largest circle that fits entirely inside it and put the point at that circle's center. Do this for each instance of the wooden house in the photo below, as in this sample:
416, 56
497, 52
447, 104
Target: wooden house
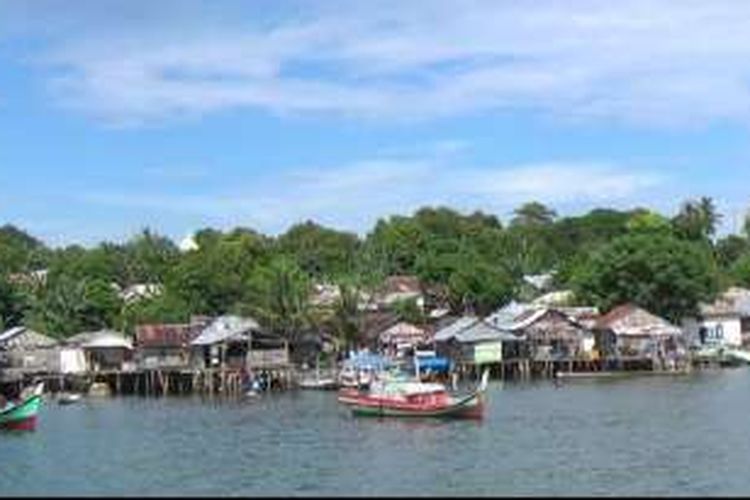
165, 346
630, 333
23, 350
550, 333
724, 322
473, 341
403, 336
104, 350
235, 342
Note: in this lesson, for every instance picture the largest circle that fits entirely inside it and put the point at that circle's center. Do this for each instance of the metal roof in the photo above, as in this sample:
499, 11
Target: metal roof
629, 319
227, 328
481, 330
108, 339
450, 331
23, 338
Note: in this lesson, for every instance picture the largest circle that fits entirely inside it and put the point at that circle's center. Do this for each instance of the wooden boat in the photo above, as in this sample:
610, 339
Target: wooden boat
399, 398
321, 384
22, 415
69, 398
318, 382
739, 356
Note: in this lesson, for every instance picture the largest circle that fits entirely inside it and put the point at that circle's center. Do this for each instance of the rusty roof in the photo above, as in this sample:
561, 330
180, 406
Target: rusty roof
629, 319
169, 335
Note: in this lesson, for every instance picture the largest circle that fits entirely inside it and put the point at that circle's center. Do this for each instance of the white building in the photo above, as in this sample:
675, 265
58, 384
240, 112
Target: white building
725, 322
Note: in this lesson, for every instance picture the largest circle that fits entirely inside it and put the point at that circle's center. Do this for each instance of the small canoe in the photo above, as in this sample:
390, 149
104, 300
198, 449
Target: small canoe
69, 398
738, 355
22, 416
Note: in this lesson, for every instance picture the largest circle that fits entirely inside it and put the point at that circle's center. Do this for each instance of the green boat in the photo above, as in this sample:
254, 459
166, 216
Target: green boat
22, 416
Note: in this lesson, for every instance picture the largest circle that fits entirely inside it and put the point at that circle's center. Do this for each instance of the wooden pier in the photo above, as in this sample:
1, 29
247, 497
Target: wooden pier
155, 382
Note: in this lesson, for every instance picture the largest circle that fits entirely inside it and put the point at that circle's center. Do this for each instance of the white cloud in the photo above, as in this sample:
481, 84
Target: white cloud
564, 182
667, 62
353, 196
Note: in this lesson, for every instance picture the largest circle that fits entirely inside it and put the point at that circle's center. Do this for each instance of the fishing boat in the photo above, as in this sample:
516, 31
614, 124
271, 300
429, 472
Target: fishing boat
412, 398
22, 415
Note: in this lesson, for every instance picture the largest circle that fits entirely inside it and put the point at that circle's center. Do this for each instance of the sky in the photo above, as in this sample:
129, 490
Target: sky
178, 115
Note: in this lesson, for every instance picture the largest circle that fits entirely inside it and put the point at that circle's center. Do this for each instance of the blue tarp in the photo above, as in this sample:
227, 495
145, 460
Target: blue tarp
435, 364
367, 360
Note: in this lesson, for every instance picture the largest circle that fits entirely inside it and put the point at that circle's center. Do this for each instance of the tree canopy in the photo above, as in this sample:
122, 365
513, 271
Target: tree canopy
472, 262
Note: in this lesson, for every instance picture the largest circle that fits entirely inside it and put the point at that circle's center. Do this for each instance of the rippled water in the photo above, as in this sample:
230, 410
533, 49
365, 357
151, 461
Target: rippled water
686, 435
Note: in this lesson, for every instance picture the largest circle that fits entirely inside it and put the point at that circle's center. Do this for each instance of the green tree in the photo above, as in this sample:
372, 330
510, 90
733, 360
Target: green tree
19, 251
213, 279
697, 219
347, 320
646, 221
479, 287
13, 304
533, 214
279, 297
663, 274
409, 311
148, 257
730, 249
319, 251
167, 307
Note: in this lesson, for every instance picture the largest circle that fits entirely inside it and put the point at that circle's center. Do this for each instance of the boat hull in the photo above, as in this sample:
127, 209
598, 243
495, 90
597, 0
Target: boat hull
21, 416
471, 406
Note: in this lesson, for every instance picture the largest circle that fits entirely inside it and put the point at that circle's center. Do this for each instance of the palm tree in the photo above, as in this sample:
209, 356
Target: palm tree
709, 215
698, 219
279, 296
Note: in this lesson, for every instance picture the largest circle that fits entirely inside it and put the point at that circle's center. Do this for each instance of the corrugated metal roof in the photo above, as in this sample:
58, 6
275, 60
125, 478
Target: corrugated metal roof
629, 319
450, 331
733, 302
20, 337
481, 330
173, 335
506, 317
403, 330
107, 339
227, 328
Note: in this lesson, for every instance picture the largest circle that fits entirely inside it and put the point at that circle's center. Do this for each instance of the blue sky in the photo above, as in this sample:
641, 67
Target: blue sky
179, 115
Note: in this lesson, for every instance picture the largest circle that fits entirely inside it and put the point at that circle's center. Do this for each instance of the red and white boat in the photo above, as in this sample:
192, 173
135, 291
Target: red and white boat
410, 398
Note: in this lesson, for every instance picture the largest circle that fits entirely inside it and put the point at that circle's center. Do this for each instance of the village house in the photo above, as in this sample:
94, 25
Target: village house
551, 333
630, 334
471, 343
104, 350
724, 322
403, 337
165, 346
23, 350
237, 343
399, 288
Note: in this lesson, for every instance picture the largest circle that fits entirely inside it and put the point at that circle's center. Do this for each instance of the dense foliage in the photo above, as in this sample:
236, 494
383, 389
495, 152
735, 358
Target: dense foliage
466, 262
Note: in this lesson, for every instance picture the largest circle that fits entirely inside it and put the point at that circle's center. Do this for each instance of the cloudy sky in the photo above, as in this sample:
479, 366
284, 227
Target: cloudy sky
178, 115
